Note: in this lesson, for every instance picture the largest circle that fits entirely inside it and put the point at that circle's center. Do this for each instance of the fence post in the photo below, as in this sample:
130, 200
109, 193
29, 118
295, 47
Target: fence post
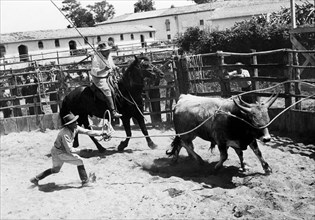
297, 76
224, 83
181, 74
255, 83
58, 58
288, 75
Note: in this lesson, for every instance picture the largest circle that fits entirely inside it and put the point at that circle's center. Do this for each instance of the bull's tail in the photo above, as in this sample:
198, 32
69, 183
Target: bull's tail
175, 147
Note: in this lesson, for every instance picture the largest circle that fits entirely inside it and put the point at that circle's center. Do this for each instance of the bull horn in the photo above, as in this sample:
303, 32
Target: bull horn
271, 100
243, 102
245, 109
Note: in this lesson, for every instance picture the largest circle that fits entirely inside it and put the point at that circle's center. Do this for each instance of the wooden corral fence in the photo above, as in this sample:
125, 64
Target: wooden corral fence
54, 79
202, 75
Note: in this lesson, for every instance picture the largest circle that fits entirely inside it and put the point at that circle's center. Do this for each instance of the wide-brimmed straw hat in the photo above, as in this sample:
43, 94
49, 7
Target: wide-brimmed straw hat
103, 46
70, 118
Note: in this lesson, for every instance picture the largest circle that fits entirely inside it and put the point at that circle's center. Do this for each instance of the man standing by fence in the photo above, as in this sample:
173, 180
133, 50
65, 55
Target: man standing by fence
244, 85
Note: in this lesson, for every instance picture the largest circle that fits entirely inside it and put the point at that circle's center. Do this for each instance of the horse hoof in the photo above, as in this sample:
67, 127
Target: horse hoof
122, 146
153, 146
268, 171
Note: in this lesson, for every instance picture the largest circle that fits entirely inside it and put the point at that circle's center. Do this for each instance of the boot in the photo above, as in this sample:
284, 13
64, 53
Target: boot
41, 176
111, 106
83, 176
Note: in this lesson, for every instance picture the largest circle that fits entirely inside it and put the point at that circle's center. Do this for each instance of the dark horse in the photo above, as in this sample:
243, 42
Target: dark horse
128, 89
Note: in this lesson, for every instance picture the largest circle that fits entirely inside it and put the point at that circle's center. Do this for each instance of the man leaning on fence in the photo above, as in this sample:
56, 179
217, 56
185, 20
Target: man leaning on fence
245, 86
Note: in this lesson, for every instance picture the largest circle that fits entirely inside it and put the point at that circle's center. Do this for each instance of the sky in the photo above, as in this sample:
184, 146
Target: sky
33, 15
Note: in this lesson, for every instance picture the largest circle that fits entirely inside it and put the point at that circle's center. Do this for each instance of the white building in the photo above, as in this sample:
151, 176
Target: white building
34, 45
171, 22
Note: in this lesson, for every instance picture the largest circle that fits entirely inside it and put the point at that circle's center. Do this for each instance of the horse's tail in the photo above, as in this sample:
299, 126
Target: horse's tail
64, 110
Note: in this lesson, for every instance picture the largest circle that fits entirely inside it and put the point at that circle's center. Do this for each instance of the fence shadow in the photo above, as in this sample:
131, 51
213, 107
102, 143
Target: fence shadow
295, 145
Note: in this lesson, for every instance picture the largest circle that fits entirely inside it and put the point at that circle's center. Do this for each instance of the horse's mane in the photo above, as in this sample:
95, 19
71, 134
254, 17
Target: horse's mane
126, 75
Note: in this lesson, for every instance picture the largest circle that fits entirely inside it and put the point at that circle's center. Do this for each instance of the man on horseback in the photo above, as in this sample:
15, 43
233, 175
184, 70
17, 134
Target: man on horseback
102, 66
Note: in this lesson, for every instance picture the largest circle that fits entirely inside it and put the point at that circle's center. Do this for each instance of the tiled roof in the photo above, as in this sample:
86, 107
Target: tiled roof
240, 7
71, 32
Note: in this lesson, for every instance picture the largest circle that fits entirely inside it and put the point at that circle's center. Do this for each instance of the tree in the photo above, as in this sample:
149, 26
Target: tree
79, 16
144, 5
260, 33
102, 11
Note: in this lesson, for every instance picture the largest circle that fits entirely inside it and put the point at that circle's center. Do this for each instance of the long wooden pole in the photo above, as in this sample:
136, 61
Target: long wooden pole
293, 19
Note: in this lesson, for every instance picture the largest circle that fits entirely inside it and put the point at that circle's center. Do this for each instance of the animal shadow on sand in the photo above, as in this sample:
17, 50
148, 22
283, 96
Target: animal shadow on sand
188, 169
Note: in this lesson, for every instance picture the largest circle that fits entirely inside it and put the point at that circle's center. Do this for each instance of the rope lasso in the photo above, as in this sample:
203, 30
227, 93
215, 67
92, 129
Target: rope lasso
219, 110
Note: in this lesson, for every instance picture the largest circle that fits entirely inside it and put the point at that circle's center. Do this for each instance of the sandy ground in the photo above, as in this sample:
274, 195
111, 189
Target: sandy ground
140, 183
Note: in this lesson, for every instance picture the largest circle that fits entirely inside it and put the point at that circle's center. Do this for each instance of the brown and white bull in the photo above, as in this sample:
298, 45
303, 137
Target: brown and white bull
225, 122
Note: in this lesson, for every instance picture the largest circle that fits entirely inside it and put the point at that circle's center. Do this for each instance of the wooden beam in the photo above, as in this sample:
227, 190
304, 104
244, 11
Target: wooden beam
299, 46
293, 19
302, 30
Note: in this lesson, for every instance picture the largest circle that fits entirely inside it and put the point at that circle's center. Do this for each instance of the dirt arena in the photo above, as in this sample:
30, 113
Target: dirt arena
140, 183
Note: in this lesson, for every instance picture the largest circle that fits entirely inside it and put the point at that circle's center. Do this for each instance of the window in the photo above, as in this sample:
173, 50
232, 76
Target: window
150, 34
57, 43
98, 39
86, 40
168, 25
168, 36
40, 45
2, 51
121, 37
201, 22
132, 37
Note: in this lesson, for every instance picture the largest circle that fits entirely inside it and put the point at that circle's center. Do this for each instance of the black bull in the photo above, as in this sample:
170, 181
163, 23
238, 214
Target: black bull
226, 123
82, 101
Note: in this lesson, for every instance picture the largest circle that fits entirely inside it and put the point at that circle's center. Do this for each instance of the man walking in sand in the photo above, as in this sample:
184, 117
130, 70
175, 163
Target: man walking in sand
63, 152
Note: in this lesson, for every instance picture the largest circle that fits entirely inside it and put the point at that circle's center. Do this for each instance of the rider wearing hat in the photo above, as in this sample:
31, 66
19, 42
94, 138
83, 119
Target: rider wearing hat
63, 152
102, 66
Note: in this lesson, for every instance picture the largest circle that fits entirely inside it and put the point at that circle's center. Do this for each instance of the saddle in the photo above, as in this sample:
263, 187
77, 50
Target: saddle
112, 82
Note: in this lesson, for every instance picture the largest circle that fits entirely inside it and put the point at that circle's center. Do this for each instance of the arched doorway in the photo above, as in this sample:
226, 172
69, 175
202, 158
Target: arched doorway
72, 47
142, 40
23, 53
111, 41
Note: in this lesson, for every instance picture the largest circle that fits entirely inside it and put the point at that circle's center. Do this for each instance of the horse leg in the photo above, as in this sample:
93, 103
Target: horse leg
144, 130
124, 144
84, 120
